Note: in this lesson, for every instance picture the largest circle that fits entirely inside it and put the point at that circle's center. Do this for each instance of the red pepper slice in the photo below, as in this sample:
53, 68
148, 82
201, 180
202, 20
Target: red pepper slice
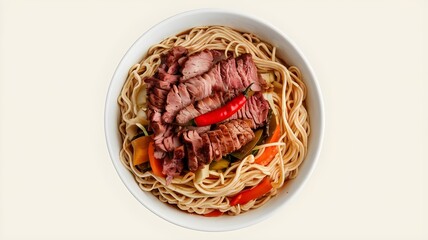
270, 152
249, 194
215, 213
224, 112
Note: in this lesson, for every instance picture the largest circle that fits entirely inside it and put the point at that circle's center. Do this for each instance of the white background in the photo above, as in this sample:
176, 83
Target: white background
57, 180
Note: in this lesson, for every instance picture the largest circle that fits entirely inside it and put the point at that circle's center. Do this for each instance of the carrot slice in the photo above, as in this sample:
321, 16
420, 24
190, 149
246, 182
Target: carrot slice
270, 152
215, 213
235, 200
250, 194
140, 146
155, 164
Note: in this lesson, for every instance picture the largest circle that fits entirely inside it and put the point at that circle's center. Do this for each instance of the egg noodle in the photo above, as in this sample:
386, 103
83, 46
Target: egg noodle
285, 92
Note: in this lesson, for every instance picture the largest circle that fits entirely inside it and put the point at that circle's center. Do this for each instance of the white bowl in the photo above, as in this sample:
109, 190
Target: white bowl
286, 49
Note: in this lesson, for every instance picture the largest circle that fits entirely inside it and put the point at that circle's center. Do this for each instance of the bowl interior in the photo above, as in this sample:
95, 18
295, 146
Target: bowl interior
286, 50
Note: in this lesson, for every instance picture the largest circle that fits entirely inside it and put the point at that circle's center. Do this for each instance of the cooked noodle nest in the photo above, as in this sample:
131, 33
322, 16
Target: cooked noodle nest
286, 94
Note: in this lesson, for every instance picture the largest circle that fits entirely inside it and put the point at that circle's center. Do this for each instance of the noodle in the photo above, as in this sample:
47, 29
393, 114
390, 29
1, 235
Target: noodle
212, 193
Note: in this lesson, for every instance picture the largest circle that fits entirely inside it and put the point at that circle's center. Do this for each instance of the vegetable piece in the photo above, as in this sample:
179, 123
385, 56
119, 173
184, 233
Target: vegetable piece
144, 167
224, 112
254, 152
270, 152
247, 148
140, 146
269, 77
215, 213
141, 126
220, 164
202, 173
140, 118
155, 164
270, 128
250, 194
269, 98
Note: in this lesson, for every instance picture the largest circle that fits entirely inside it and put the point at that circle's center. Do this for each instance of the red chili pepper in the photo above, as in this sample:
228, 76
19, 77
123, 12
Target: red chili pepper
215, 213
249, 194
224, 112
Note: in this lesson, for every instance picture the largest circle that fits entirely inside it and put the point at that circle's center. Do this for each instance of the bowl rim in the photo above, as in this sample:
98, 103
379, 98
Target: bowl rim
317, 94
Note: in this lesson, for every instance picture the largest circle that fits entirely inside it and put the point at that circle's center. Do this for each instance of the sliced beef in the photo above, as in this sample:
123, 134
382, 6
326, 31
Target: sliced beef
174, 100
184, 94
180, 131
240, 135
167, 130
177, 99
171, 142
196, 88
197, 64
185, 87
210, 103
215, 145
245, 130
159, 92
247, 124
255, 109
212, 145
174, 166
158, 126
217, 55
221, 140
199, 129
160, 136
201, 86
193, 144
226, 139
233, 134
247, 70
167, 77
241, 130
173, 69
214, 101
227, 76
182, 61
206, 151
259, 109
179, 152
173, 56
159, 154
214, 78
186, 114
158, 88
155, 82
246, 113
156, 101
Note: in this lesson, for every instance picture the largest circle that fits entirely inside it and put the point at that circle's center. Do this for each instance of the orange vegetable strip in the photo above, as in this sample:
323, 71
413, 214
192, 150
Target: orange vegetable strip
235, 200
155, 164
140, 147
270, 152
215, 213
250, 194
